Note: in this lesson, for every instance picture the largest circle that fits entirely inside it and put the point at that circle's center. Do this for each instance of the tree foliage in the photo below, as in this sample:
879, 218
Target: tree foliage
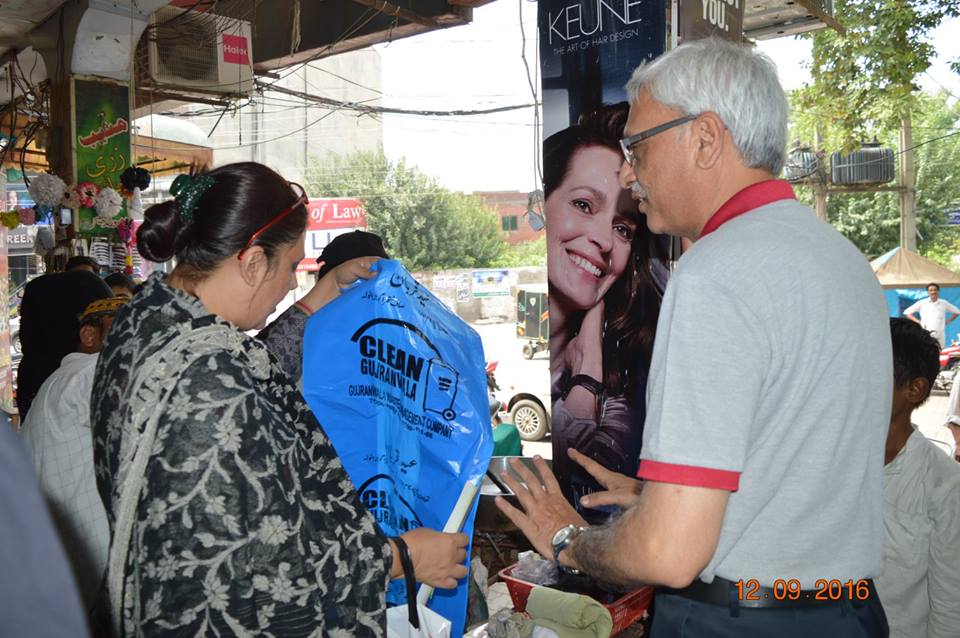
528, 253
424, 225
872, 220
863, 84
865, 80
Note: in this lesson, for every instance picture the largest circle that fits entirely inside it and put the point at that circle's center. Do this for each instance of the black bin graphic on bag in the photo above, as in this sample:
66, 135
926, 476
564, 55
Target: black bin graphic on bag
441, 389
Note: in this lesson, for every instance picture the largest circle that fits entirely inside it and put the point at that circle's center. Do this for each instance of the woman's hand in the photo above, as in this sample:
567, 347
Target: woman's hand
584, 355
438, 558
585, 352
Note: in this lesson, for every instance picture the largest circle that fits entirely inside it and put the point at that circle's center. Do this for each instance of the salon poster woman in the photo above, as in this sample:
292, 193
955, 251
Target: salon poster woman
606, 271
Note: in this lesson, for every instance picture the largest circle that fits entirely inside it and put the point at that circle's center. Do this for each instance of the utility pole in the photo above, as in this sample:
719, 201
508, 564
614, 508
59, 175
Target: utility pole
908, 194
820, 182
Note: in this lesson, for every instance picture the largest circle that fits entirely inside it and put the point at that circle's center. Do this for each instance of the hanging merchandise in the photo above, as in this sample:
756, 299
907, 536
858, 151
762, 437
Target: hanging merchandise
398, 382
45, 241
134, 180
113, 256
71, 198
28, 216
10, 219
87, 193
127, 233
46, 191
108, 203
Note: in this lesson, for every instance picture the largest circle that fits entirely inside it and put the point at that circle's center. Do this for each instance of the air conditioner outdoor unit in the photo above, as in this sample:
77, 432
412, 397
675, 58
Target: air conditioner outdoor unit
198, 51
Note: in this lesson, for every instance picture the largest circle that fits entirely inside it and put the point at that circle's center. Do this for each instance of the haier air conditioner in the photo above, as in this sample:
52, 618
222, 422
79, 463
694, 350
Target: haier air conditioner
202, 52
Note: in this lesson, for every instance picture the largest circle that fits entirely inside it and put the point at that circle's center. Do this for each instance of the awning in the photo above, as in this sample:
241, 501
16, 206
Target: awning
174, 145
902, 268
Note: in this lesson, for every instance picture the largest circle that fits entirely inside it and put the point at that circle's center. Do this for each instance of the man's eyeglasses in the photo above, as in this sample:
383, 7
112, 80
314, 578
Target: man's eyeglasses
301, 201
627, 143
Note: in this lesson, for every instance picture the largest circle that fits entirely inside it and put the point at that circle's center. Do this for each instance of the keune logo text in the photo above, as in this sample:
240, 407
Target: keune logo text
590, 17
235, 49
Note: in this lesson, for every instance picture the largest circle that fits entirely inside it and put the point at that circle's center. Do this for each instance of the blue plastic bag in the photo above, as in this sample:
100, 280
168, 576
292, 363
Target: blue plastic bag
398, 382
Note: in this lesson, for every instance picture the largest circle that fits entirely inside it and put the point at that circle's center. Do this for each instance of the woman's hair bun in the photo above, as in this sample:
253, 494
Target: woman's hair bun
158, 236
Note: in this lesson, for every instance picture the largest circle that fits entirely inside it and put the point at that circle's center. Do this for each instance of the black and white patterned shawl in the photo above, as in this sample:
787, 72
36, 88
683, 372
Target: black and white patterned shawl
240, 518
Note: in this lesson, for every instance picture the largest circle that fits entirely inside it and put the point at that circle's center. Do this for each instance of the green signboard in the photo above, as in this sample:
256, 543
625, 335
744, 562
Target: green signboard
102, 145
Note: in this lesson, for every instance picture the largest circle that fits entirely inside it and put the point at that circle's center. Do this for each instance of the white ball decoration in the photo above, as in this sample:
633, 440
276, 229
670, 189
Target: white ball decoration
47, 190
108, 203
45, 241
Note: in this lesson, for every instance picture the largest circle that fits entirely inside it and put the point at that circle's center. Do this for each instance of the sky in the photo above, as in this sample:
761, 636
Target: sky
479, 66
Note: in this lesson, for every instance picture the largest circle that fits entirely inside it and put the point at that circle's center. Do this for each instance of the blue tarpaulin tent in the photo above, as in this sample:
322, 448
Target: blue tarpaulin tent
904, 276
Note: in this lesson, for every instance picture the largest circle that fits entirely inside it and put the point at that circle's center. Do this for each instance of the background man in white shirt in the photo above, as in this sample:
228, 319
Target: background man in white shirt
58, 437
920, 578
933, 313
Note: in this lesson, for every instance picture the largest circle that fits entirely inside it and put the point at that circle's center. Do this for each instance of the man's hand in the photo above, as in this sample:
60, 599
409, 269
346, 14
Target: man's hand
620, 490
328, 287
545, 510
352, 270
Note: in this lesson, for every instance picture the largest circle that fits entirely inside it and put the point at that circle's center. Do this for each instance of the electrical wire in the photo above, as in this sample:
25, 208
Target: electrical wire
537, 147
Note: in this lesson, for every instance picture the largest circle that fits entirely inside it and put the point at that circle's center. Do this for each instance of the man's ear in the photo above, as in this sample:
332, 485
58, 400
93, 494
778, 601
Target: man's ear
708, 135
918, 390
89, 334
254, 266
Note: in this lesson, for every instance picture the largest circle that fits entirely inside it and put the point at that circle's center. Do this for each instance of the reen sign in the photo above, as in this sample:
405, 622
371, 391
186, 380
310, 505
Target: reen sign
101, 145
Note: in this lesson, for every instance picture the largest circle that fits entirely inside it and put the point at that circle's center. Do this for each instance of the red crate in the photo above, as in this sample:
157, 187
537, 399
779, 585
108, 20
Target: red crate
625, 611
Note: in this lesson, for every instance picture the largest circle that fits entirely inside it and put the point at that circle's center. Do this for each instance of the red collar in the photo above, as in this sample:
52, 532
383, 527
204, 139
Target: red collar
744, 201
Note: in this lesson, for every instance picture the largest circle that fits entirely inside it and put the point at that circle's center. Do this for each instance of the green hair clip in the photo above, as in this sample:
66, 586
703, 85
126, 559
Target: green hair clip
187, 190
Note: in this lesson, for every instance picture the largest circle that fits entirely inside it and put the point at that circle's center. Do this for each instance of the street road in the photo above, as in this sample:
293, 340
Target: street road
516, 374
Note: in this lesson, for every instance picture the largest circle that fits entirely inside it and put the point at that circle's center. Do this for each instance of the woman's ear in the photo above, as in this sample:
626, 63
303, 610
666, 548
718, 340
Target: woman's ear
254, 266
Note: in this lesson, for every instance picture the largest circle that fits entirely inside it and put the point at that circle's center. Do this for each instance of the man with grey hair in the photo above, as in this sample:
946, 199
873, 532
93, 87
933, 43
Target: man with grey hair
760, 511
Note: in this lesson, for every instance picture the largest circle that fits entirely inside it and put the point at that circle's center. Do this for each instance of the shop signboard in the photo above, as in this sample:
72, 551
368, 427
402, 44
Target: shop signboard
101, 146
491, 283
588, 51
704, 18
326, 219
20, 240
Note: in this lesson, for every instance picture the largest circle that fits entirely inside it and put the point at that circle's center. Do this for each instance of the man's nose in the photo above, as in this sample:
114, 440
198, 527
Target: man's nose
626, 175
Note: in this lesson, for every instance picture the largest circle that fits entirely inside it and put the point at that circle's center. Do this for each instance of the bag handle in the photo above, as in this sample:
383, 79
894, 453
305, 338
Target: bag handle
413, 614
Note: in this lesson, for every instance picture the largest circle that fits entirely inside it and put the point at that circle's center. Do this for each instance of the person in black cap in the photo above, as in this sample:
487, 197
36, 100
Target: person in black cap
343, 262
49, 322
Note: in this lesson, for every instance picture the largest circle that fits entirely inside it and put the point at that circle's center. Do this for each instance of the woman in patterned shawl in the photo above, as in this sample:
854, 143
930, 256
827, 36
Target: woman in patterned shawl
230, 513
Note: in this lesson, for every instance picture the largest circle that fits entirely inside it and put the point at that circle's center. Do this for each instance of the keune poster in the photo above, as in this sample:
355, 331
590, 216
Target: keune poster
606, 271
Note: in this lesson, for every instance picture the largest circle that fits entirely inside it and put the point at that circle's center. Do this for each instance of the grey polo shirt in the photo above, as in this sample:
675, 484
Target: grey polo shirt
771, 378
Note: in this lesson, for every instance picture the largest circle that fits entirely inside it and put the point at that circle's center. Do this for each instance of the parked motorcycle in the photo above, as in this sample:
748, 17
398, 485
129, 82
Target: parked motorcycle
949, 366
496, 406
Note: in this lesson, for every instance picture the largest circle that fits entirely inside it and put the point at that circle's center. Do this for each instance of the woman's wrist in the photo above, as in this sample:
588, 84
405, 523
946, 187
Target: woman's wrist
396, 566
322, 293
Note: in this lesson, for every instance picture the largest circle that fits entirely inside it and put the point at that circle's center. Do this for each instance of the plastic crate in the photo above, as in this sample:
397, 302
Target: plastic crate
624, 611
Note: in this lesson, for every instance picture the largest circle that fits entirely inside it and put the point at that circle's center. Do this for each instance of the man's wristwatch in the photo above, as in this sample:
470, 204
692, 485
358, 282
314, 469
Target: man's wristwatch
561, 540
